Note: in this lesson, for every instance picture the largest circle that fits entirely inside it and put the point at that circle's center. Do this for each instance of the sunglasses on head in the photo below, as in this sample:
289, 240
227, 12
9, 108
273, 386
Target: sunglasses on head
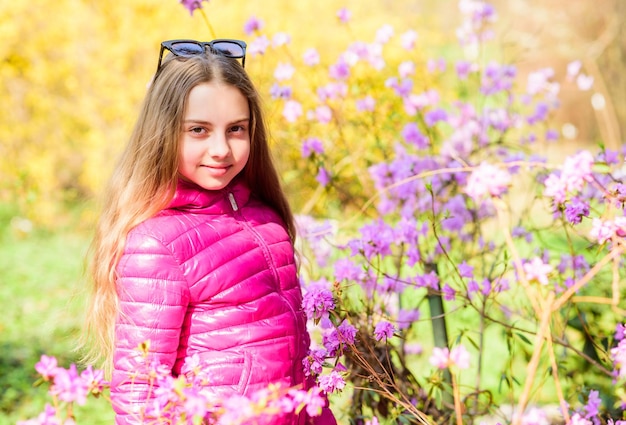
235, 49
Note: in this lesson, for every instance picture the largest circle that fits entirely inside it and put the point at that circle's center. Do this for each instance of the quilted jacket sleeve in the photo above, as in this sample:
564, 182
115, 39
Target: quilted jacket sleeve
153, 298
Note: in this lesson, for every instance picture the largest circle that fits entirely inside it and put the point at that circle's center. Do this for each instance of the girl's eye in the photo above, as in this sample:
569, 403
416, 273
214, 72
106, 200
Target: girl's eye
197, 130
237, 128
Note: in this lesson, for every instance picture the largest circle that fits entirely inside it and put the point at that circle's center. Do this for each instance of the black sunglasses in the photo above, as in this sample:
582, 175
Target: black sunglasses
235, 49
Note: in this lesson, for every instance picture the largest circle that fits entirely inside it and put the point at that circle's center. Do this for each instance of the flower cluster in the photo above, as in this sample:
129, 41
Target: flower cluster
174, 400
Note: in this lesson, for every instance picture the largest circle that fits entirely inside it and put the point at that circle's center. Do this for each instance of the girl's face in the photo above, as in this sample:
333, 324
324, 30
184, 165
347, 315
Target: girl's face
215, 140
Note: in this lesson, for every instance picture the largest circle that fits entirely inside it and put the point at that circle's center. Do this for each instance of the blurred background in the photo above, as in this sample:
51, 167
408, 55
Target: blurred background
72, 76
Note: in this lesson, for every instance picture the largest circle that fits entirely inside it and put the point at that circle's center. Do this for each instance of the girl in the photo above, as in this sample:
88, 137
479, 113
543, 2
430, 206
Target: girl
194, 248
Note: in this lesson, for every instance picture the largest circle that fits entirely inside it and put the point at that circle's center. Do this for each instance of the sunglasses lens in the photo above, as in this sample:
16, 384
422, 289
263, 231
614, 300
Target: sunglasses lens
228, 49
187, 49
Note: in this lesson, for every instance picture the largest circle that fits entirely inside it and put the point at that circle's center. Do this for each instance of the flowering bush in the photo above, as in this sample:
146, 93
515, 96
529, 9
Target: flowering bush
433, 205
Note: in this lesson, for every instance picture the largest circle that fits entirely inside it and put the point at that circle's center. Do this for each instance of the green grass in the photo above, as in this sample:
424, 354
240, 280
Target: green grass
41, 297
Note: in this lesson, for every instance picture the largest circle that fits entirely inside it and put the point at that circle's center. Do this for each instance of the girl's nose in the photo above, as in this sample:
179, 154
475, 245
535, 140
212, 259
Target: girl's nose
218, 146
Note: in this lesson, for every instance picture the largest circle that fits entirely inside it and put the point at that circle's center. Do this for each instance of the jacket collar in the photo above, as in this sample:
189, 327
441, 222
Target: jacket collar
191, 197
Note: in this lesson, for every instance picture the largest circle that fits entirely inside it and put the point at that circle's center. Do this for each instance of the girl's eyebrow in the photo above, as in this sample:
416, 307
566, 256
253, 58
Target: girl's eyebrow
204, 122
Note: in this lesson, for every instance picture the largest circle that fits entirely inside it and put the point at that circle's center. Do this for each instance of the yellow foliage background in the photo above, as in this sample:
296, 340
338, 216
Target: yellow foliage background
72, 73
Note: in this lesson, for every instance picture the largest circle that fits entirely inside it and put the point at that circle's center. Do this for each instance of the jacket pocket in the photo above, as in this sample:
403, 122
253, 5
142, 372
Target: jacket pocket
246, 374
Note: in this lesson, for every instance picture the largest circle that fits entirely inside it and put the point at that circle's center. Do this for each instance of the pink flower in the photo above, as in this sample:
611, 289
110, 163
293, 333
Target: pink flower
284, 71
618, 355
443, 358
460, 357
487, 180
383, 330
311, 57
69, 386
440, 358
573, 68
576, 419
406, 69
584, 82
408, 39
323, 114
344, 15
537, 270
292, 110
384, 34
94, 380
602, 230
253, 24
367, 104
535, 416
258, 46
47, 367
281, 39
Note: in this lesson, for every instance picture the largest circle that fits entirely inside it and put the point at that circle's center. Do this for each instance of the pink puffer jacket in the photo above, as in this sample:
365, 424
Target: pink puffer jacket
213, 277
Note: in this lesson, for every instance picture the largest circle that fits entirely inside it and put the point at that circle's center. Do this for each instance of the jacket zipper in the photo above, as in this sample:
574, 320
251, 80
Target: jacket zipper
263, 245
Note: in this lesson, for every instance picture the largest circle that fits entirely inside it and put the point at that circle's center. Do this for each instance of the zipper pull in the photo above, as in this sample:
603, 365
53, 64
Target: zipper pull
233, 202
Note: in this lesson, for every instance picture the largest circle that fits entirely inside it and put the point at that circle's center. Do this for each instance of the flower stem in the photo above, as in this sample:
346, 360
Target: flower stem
208, 23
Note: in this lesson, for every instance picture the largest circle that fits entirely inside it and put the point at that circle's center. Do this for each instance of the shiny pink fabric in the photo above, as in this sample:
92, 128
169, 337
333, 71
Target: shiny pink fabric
213, 276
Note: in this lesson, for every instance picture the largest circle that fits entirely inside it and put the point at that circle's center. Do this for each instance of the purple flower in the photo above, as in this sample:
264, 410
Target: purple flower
407, 317
551, 135
593, 404
383, 330
253, 24
317, 301
465, 270
346, 332
340, 70
192, 5
449, 294
412, 134
310, 146
620, 332
323, 177
576, 210
464, 68
280, 92
433, 117
331, 382
313, 363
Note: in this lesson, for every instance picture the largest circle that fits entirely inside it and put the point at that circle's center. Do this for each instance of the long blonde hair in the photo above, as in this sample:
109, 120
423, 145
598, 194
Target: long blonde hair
144, 180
